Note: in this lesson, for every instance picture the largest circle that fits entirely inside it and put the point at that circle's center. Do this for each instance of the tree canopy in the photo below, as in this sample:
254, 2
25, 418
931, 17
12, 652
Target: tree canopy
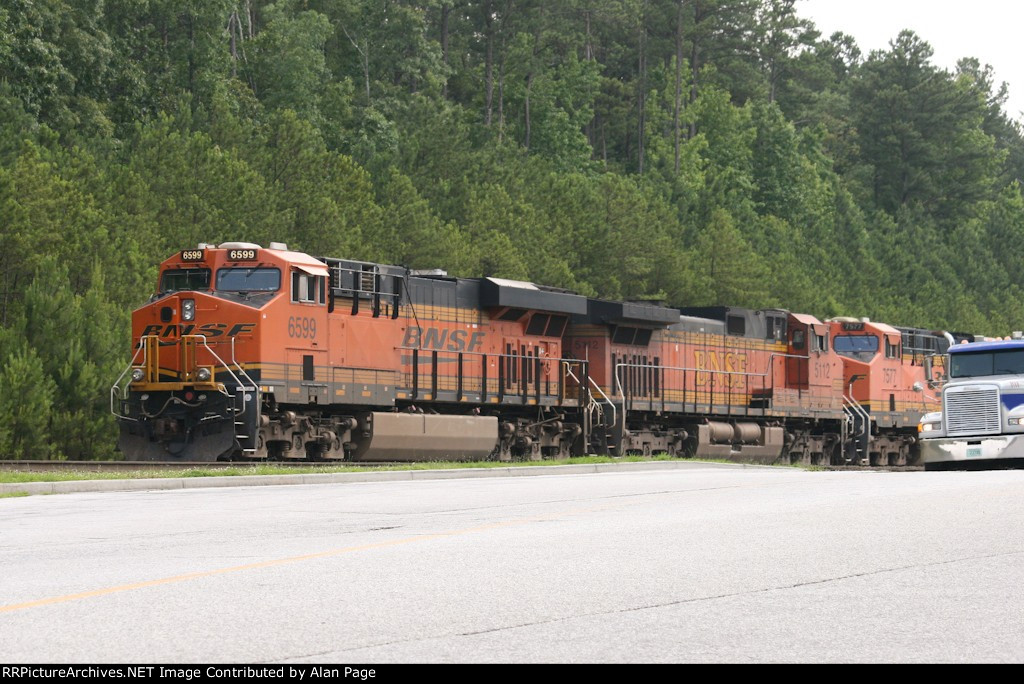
701, 151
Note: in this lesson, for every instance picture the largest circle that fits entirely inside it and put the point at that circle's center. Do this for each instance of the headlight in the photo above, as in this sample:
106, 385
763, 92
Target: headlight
1017, 421
203, 374
138, 374
928, 427
188, 309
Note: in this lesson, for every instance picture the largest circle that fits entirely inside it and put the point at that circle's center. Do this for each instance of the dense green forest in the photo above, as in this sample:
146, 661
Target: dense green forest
700, 151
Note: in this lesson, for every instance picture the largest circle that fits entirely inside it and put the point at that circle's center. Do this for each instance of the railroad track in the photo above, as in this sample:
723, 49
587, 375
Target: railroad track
881, 469
115, 466
126, 466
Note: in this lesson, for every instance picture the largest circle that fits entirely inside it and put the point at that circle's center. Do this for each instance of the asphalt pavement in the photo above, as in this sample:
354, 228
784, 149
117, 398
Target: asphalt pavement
698, 565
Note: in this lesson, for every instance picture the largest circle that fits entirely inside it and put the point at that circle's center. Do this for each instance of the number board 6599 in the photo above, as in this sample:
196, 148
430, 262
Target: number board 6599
242, 255
302, 327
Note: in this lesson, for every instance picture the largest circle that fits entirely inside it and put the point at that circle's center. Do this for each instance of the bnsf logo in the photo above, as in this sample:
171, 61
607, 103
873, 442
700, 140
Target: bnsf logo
442, 340
208, 329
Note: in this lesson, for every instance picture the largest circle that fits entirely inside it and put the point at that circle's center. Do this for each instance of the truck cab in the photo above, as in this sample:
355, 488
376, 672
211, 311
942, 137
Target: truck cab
982, 419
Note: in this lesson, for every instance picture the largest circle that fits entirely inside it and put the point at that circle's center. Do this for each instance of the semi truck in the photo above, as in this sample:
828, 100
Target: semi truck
981, 424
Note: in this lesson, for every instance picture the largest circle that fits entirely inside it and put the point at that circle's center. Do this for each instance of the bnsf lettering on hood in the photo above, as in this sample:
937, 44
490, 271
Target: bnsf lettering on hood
208, 329
442, 340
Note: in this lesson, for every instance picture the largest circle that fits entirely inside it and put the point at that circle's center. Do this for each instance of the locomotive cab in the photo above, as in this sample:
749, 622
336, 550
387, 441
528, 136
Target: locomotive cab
192, 391
813, 371
883, 391
872, 356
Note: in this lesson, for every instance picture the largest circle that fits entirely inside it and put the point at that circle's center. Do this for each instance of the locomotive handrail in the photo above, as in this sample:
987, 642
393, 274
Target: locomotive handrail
241, 370
338, 269
114, 390
116, 386
765, 374
857, 406
854, 406
375, 293
600, 391
929, 367
476, 353
539, 360
251, 387
606, 400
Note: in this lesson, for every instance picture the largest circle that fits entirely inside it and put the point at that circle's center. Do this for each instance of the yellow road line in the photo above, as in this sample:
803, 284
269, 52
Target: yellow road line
292, 559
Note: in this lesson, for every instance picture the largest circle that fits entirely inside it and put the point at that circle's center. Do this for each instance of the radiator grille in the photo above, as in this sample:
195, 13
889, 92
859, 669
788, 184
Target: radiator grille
973, 412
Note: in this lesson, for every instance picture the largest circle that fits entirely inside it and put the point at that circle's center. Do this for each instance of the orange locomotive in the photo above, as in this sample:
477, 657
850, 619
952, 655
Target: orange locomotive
255, 353
767, 385
269, 353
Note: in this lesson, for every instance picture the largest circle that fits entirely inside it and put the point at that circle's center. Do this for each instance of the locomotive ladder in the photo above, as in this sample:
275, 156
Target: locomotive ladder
595, 410
245, 398
237, 409
856, 426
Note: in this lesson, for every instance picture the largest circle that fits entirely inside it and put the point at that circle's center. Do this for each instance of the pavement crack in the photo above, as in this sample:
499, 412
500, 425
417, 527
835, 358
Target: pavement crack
666, 604
753, 592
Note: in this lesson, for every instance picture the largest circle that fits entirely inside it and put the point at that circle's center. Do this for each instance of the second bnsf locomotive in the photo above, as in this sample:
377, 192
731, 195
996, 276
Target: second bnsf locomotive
265, 353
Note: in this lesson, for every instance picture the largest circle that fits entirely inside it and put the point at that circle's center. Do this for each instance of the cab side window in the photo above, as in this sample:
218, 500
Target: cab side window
798, 339
307, 289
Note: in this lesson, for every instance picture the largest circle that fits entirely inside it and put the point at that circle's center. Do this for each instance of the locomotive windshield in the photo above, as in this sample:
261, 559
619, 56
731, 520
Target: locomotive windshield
980, 364
249, 279
181, 279
860, 347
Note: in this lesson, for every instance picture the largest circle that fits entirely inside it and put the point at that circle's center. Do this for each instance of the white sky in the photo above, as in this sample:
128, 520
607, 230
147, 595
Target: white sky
989, 30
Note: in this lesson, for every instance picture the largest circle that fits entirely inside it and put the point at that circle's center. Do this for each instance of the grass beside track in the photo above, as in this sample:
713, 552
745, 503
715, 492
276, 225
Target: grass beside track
16, 477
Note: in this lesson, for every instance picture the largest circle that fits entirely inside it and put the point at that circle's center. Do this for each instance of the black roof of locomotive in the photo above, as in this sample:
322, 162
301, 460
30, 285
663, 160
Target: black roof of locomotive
500, 293
696, 324
755, 324
491, 293
643, 314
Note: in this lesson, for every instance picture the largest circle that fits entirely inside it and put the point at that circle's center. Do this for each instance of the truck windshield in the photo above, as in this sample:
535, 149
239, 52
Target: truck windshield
980, 364
249, 279
180, 279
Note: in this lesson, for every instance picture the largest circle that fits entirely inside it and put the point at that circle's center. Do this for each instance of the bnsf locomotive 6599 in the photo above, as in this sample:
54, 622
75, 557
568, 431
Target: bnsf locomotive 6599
254, 353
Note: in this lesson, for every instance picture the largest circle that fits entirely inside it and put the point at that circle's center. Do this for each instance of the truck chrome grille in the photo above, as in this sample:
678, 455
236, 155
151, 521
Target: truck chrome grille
973, 412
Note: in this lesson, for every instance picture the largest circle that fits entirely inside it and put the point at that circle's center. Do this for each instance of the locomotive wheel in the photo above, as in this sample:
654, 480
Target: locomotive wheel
336, 452
294, 449
275, 450
262, 452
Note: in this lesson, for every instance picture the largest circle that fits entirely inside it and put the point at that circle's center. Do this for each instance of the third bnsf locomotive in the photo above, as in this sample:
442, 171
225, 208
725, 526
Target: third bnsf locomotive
265, 353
